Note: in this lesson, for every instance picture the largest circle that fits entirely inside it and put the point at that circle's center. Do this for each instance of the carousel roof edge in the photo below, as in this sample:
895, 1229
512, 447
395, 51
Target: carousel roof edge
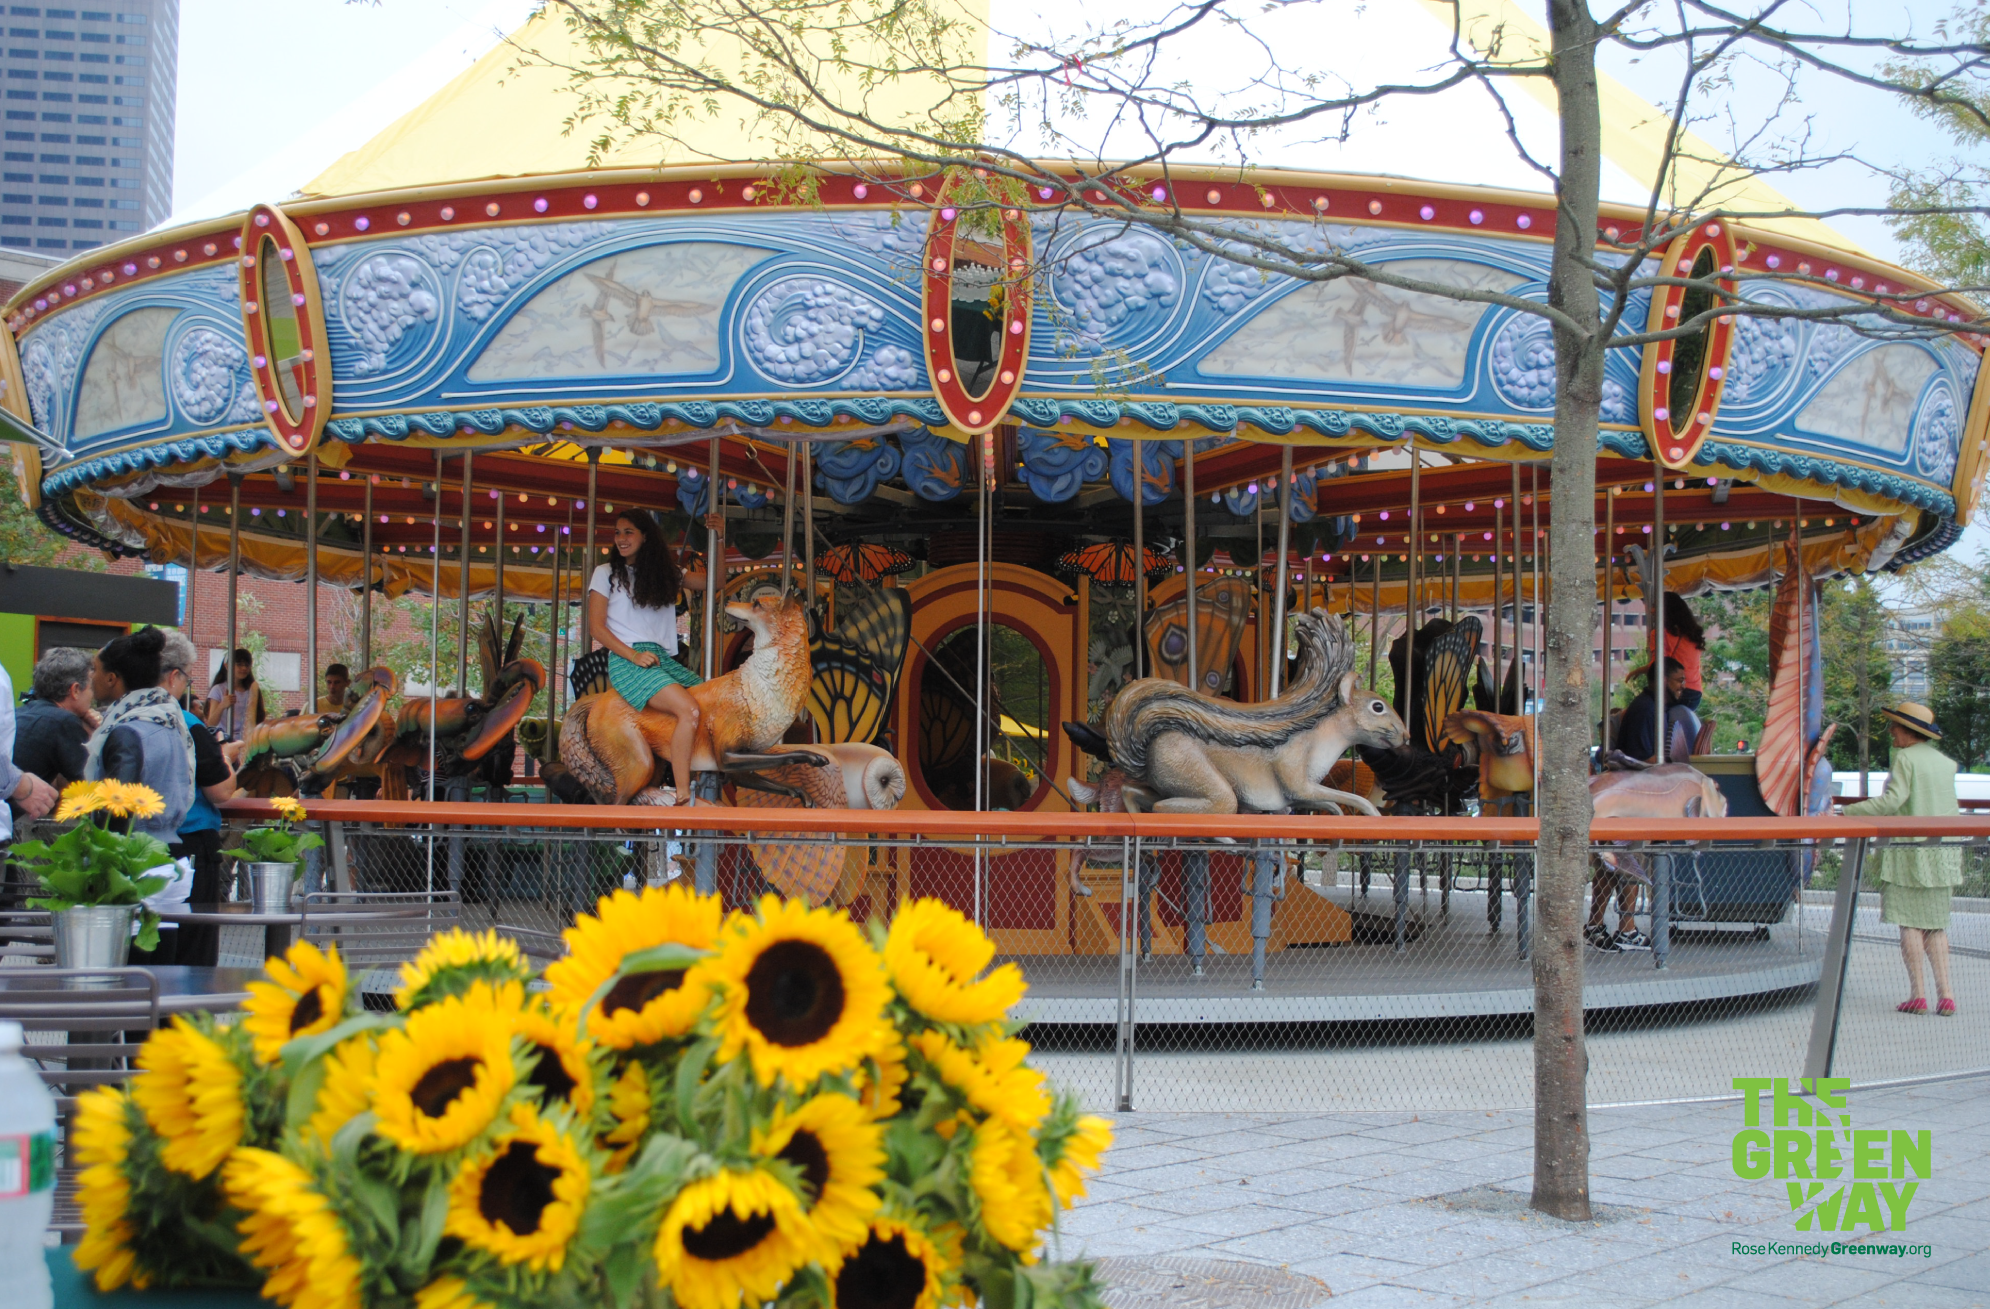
160, 240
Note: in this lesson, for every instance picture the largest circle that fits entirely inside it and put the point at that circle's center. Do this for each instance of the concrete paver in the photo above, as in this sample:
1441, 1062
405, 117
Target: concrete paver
1427, 1209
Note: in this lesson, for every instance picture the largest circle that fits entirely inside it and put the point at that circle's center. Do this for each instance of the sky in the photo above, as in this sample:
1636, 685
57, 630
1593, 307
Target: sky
366, 63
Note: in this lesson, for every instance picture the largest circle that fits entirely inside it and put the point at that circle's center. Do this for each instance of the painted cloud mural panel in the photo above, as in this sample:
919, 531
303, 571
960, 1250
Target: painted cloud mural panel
1358, 331
124, 383
654, 311
1871, 401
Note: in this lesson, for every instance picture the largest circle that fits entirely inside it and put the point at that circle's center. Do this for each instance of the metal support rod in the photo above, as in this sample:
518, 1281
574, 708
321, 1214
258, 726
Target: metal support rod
808, 521
1534, 629
366, 577
434, 641
1139, 568
1498, 599
1188, 552
715, 563
1519, 680
234, 602
1278, 591
1128, 962
1410, 594
497, 564
553, 669
587, 550
462, 584
311, 583
1374, 621
1656, 617
788, 522
1609, 601
1457, 573
981, 742
1837, 948
193, 570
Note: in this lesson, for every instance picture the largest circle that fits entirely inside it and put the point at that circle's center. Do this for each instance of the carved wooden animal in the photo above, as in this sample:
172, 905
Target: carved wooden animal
1196, 754
1505, 748
1666, 791
616, 750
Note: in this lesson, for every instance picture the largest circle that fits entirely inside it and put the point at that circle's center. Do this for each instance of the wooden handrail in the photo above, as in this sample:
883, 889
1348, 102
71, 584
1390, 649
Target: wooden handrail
1028, 827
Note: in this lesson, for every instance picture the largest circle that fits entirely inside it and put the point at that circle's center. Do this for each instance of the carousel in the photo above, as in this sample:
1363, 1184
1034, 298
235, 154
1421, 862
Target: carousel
966, 462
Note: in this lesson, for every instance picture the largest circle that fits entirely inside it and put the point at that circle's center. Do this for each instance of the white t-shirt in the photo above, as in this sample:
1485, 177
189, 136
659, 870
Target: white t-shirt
234, 720
630, 623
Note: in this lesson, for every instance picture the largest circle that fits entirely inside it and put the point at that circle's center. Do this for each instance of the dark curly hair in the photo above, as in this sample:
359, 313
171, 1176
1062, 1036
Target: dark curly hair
135, 658
654, 580
1679, 621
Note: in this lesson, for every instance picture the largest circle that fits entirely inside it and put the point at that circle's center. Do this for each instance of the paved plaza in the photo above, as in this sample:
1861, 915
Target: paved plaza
1372, 1209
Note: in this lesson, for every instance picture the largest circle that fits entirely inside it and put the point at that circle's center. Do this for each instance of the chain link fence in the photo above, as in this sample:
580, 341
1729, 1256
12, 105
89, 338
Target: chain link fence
1304, 976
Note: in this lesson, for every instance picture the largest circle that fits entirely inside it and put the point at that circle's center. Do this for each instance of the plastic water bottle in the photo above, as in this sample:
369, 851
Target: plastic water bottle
27, 1175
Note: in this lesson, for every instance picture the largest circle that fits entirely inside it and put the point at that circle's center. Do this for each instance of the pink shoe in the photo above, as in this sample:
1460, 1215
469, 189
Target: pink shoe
1915, 1006
1946, 1009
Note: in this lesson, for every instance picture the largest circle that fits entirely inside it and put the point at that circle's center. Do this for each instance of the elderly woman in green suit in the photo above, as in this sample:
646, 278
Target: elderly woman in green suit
1916, 883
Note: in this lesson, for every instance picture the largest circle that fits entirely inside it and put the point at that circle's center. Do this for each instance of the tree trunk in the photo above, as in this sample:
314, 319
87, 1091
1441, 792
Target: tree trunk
1561, 1115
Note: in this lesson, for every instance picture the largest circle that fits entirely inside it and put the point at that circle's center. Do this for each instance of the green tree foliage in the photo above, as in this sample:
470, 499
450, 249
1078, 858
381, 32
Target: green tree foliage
1942, 238
1857, 675
25, 539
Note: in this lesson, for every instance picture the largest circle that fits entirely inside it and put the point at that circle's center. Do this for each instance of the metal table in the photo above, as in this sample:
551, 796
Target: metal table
74, 1289
183, 988
277, 925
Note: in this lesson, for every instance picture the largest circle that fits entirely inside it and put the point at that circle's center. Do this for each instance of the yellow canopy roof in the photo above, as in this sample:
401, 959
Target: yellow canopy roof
507, 116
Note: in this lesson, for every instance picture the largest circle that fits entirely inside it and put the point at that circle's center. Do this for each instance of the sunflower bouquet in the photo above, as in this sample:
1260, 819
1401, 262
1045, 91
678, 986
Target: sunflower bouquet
94, 863
279, 842
694, 1109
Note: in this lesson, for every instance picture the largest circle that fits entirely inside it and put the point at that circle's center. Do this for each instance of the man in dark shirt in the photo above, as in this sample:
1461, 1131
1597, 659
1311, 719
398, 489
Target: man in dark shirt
52, 724
1637, 735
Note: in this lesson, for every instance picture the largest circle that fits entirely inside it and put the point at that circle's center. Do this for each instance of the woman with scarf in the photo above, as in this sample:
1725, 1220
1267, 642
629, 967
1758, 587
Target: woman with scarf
144, 739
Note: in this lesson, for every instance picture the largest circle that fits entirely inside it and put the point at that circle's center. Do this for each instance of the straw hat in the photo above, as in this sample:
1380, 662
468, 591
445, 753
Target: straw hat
1915, 718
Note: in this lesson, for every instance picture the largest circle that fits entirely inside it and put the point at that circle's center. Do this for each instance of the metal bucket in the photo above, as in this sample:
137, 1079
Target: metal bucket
93, 936
270, 886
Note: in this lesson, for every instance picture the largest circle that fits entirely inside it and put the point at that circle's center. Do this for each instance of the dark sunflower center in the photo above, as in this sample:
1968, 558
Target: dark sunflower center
638, 989
727, 1236
550, 1075
882, 1275
804, 1150
794, 994
440, 1085
517, 1188
310, 1007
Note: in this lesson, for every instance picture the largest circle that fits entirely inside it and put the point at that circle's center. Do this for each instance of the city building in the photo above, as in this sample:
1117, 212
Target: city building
89, 98
1910, 634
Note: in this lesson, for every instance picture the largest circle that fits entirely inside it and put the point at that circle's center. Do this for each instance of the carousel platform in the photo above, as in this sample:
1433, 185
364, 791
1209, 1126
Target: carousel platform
1455, 968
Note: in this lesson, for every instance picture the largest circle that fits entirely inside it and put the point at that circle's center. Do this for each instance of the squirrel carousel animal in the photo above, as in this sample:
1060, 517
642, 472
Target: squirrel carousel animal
618, 753
1180, 751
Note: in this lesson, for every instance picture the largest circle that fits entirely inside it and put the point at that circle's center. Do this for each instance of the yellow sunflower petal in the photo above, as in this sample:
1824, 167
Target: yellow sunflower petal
306, 994
191, 1094
449, 1293
629, 1105
522, 1200
933, 954
292, 1231
839, 1151
441, 1078
564, 1071
801, 992
728, 1239
78, 800
346, 1090
1007, 1179
992, 1077
289, 806
453, 960
101, 1139
643, 1008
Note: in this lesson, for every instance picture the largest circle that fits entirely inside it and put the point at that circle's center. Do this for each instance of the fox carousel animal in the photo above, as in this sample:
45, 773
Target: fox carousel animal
1181, 751
617, 752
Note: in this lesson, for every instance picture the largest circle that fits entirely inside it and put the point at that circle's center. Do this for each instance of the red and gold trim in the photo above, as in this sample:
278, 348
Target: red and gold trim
944, 247
286, 341
1674, 427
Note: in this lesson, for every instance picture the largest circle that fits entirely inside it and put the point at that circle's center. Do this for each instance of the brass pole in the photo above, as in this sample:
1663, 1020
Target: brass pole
808, 521
1412, 593
434, 635
193, 571
1278, 591
1374, 621
366, 577
1188, 550
788, 521
1519, 639
311, 583
1139, 568
234, 601
587, 551
1609, 599
497, 563
715, 564
1656, 620
462, 584
1498, 598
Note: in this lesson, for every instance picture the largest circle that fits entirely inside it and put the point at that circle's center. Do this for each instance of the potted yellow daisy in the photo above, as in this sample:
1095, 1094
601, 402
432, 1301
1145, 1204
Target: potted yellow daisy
273, 852
95, 877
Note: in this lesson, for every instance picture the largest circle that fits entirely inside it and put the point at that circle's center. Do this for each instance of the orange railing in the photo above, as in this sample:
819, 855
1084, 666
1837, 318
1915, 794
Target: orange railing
1078, 826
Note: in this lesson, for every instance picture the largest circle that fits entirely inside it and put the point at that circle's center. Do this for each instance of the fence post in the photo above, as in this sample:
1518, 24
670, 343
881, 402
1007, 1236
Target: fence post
1129, 879
341, 865
1837, 951
705, 786
1661, 909
1261, 905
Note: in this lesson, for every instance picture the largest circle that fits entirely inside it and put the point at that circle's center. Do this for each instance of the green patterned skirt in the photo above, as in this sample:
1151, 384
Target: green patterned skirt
1925, 907
639, 685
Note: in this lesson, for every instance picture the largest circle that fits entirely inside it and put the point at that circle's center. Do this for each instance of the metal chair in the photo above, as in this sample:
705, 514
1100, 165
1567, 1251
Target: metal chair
98, 1012
27, 934
377, 928
541, 947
